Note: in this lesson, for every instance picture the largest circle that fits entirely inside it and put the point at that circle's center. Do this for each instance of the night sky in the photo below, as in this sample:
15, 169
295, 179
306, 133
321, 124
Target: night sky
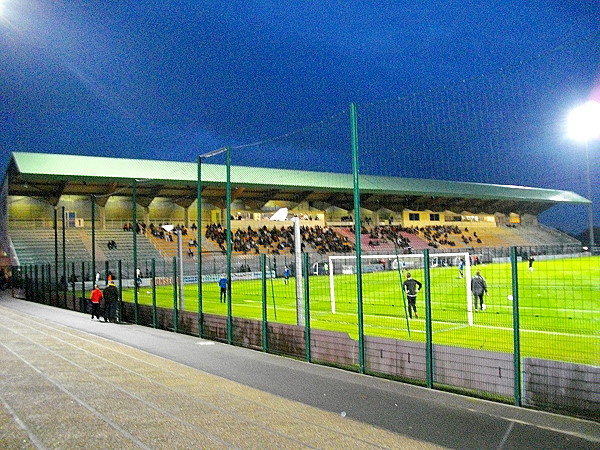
174, 79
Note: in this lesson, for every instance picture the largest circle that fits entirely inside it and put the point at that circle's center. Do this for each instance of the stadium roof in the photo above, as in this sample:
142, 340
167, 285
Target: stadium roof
51, 175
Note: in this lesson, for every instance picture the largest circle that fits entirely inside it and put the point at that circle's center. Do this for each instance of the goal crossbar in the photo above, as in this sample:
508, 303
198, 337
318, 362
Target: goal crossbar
398, 262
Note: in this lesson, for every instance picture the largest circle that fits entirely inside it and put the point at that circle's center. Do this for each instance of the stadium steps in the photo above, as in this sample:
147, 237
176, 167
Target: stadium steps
36, 246
416, 241
383, 246
124, 251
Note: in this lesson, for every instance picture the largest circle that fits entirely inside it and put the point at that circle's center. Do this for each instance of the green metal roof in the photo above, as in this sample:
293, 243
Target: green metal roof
93, 169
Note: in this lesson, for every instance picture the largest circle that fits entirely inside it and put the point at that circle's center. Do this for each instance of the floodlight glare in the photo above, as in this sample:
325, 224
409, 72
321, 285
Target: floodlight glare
584, 122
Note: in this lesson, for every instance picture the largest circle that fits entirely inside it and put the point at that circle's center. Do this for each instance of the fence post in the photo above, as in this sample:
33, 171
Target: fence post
73, 278
175, 312
82, 302
356, 190
37, 283
516, 328
64, 257
49, 284
56, 254
154, 292
120, 269
199, 245
228, 237
428, 333
265, 328
306, 271
43, 281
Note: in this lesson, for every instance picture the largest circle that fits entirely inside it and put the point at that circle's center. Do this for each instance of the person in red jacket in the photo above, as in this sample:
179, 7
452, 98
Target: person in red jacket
96, 298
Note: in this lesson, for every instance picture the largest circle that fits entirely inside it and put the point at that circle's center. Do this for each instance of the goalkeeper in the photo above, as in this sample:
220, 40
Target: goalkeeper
411, 287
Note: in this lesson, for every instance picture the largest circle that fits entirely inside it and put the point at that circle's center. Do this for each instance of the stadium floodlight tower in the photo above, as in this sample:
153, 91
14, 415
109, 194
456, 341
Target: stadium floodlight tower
583, 126
281, 215
168, 228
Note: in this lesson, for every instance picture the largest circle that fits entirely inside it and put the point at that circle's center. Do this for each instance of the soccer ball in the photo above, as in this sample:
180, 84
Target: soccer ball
483, 307
510, 298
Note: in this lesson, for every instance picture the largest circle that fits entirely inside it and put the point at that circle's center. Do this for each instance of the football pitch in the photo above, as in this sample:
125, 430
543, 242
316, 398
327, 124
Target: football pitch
559, 307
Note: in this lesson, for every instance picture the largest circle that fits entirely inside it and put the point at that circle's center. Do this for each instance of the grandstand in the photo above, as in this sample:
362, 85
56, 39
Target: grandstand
37, 185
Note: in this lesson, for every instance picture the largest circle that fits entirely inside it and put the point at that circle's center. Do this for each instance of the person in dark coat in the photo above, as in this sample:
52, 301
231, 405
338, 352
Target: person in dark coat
411, 287
111, 297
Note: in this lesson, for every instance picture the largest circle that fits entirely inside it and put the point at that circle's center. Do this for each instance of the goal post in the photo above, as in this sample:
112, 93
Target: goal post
346, 265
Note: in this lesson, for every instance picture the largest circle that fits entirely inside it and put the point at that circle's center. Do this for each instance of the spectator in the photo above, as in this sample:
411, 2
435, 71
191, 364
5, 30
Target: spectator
96, 298
111, 297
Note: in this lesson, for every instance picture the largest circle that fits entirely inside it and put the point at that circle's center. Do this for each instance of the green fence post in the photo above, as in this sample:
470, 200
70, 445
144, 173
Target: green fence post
64, 255
356, 189
135, 261
120, 269
82, 302
56, 253
199, 247
26, 282
36, 283
154, 324
428, 333
93, 210
307, 345
228, 236
73, 290
516, 328
43, 281
81, 307
50, 284
263, 280
175, 311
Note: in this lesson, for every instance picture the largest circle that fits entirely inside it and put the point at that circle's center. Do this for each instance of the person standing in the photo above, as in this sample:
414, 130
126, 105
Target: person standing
111, 297
223, 286
530, 260
96, 298
461, 268
138, 279
411, 288
478, 288
286, 275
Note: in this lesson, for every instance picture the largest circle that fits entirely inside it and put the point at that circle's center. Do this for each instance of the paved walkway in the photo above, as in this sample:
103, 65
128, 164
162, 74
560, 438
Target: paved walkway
69, 382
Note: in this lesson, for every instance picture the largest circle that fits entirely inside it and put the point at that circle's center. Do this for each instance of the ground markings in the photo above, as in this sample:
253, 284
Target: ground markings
130, 395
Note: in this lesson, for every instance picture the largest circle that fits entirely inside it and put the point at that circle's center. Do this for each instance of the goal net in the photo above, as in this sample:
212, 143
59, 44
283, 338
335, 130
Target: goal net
385, 269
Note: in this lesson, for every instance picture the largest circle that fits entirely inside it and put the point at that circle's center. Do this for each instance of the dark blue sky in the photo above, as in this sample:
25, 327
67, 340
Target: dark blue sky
171, 80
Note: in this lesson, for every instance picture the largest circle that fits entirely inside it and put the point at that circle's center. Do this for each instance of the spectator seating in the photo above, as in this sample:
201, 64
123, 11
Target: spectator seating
36, 245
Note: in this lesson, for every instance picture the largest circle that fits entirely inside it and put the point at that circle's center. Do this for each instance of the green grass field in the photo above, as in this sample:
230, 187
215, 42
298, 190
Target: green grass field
559, 307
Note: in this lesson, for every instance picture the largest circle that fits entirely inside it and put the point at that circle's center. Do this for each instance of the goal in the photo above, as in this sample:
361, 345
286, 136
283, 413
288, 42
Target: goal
346, 265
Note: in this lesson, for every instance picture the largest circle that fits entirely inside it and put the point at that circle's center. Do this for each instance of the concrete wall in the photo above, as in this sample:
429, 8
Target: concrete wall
556, 385
547, 385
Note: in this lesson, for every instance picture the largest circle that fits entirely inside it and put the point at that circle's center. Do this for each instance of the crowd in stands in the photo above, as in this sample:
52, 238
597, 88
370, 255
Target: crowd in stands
278, 240
322, 239
435, 235
325, 240
439, 235
159, 231
391, 233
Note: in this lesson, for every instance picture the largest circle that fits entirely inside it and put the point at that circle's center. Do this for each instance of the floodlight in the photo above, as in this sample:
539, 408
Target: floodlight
584, 122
